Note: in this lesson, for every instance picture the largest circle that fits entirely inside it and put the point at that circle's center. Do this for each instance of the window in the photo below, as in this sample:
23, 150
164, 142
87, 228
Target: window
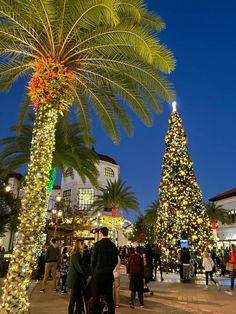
232, 214
86, 198
108, 172
66, 197
69, 173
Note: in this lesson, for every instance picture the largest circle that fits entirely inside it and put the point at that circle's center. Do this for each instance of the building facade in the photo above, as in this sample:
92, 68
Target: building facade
76, 193
14, 182
226, 233
80, 196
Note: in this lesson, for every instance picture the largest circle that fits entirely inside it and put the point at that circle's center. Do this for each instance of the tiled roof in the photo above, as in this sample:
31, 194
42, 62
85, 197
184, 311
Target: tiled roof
56, 187
16, 175
224, 195
105, 158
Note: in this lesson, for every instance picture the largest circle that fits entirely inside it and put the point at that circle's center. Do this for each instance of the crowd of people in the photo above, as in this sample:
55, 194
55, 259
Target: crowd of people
88, 274
93, 275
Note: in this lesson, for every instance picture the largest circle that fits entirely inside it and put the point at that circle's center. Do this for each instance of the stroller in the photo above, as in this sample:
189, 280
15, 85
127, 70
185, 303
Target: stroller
147, 278
188, 271
87, 300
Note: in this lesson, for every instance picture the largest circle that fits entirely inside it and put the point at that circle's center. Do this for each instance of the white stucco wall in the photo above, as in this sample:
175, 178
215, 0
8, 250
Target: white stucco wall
227, 232
74, 183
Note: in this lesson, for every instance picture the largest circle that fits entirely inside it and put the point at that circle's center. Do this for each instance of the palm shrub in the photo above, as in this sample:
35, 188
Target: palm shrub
101, 55
218, 213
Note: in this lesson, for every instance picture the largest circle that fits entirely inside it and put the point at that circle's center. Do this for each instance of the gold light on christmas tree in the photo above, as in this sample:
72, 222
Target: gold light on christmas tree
182, 214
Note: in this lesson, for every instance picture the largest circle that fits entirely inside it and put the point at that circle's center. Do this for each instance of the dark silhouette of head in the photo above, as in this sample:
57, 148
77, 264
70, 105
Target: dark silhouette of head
54, 240
104, 231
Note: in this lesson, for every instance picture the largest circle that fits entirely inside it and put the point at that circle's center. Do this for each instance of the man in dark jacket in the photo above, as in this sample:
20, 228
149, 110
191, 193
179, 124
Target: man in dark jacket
51, 263
103, 261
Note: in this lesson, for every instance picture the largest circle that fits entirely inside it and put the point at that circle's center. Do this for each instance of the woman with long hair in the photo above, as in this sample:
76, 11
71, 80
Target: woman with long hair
208, 265
76, 278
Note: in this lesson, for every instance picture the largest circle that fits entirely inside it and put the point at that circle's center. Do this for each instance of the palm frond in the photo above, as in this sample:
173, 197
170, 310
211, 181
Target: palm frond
82, 113
25, 105
90, 13
153, 21
102, 109
76, 152
45, 10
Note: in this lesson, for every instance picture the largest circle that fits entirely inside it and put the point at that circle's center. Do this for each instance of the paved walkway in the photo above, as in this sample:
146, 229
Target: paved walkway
170, 297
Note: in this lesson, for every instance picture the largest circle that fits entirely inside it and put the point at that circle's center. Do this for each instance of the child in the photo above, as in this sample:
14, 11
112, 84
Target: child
64, 268
208, 265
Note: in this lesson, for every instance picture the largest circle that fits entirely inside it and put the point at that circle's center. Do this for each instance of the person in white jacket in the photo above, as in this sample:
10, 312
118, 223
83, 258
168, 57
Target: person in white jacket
116, 284
208, 265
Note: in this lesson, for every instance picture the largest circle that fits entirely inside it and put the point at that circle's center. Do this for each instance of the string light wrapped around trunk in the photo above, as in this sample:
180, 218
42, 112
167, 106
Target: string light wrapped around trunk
50, 91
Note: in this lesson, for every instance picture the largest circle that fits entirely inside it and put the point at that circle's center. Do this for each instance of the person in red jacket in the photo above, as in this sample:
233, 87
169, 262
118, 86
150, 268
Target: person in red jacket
135, 271
233, 273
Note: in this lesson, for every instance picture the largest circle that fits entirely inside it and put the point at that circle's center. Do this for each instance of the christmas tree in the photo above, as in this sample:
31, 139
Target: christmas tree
182, 214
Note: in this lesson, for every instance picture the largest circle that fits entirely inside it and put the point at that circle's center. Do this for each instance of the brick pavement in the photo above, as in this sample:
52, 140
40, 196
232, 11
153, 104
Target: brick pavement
170, 297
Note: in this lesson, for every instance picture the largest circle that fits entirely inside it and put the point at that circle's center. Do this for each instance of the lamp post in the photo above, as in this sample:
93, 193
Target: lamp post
97, 222
57, 214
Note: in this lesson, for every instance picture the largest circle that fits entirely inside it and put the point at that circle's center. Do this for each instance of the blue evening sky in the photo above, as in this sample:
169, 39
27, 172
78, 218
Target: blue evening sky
201, 35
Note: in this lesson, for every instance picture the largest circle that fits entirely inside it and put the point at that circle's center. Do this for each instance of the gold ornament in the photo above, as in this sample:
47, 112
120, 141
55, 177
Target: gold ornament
199, 220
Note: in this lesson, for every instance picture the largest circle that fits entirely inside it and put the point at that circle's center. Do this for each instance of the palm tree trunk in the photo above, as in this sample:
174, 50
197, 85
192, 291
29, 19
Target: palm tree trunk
33, 214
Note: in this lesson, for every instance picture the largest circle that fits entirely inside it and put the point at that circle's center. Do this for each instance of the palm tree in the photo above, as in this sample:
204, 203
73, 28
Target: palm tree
140, 231
218, 213
144, 227
100, 54
116, 195
151, 213
113, 196
72, 150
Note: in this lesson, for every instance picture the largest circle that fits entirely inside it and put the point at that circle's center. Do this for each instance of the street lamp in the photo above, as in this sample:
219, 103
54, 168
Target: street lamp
97, 222
58, 198
57, 214
56, 219
5, 187
8, 188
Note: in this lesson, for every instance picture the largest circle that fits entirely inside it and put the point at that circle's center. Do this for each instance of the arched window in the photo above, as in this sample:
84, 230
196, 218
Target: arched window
108, 172
69, 173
